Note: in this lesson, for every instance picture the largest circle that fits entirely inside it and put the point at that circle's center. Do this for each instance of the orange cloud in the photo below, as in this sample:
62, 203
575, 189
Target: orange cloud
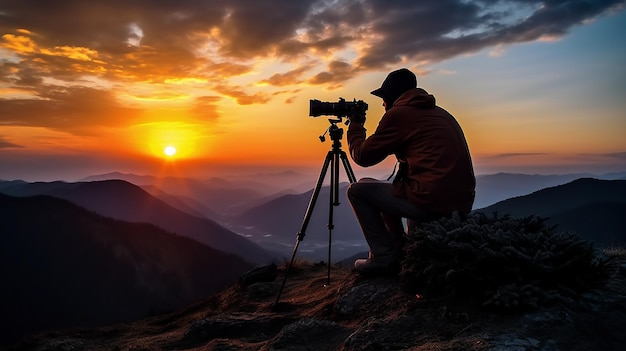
25, 45
241, 96
205, 108
69, 108
4, 144
19, 43
288, 78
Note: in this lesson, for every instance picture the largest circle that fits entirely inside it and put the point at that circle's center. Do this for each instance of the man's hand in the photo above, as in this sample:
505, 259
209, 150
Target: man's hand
356, 116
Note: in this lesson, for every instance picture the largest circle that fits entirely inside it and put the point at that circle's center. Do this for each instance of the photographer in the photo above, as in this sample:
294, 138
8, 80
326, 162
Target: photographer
435, 175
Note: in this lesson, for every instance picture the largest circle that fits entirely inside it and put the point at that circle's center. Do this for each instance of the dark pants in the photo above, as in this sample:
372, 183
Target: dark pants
380, 215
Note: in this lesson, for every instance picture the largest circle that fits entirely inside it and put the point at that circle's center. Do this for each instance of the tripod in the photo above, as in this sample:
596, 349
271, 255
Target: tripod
332, 159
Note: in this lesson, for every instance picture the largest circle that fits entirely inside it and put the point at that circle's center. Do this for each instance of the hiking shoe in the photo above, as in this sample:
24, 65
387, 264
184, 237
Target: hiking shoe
360, 263
370, 267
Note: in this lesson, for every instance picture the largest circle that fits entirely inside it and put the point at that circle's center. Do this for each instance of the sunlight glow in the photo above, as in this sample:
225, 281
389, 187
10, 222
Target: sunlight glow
170, 150
179, 139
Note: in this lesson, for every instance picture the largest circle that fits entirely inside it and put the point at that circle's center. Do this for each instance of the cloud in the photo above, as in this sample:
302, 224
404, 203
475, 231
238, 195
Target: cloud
437, 30
517, 154
288, 78
618, 155
47, 45
205, 108
446, 71
67, 108
241, 96
117, 35
7, 145
338, 72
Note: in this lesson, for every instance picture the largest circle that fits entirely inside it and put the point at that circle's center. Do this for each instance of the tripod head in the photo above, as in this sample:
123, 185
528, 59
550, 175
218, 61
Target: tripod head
335, 132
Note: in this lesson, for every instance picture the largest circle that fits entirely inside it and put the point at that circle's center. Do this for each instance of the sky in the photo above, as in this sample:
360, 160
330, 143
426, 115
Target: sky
91, 87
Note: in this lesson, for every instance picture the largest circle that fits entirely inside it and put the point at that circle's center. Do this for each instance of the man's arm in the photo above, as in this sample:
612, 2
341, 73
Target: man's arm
369, 151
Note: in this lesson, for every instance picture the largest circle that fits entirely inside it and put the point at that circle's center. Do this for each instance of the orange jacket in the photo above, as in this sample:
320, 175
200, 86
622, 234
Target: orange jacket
436, 171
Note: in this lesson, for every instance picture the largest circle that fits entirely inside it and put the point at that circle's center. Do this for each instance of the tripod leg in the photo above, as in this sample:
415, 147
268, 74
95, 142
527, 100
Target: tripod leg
346, 165
305, 221
334, 196
334, 201
316, 192
335, 181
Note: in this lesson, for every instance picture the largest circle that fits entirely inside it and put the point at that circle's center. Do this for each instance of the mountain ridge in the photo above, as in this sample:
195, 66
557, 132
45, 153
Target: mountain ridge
574, 202
65, 266
125, 201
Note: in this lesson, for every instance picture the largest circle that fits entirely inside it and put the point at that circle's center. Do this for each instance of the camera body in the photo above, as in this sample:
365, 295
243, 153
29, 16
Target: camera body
341, 108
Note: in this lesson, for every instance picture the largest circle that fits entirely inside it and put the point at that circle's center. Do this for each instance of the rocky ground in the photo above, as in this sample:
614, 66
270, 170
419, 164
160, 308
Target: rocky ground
352, 313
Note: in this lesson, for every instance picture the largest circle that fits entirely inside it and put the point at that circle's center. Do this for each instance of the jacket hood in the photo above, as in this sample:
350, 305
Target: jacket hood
416, 97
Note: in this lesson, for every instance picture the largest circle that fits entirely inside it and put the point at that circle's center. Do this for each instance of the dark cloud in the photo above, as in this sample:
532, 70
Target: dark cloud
159, 41
292, 77
338, 72
255, 28
437, 30
168, 34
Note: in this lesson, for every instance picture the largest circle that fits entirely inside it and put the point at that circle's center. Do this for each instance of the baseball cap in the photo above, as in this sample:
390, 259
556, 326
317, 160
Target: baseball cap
396, 84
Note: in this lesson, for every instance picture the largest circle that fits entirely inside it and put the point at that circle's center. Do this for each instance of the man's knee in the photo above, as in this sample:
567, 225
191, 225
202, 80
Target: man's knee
350, 191
357, 189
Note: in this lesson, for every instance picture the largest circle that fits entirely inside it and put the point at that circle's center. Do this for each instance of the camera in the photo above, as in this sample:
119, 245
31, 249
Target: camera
341, 108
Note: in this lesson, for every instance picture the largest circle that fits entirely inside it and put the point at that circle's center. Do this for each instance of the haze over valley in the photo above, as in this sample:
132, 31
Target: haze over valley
262, 210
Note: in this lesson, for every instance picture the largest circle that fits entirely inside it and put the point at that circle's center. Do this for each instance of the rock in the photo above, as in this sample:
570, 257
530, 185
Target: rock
368, 292
310, 334
252, 328
258, 274
358, 314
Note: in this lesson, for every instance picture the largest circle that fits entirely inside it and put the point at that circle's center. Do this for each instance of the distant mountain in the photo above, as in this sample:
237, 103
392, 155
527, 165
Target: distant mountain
276, 223
125, 201
592, 208
220, 196
591, 222
129, 177
272, 221
62, 266
492, 188
183, 203
217, 195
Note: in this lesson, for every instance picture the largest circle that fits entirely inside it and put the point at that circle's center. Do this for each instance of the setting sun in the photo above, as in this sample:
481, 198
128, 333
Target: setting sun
170, 150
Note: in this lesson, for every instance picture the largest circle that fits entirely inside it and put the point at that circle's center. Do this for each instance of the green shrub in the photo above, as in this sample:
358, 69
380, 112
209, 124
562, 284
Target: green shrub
501, 263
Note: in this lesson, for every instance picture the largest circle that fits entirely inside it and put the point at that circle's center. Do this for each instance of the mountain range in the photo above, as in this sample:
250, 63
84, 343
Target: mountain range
259, 222
62, 266
592, 208
492, 188
225, 197
217, 196
257, 209
125, 201
92, 238
598, 223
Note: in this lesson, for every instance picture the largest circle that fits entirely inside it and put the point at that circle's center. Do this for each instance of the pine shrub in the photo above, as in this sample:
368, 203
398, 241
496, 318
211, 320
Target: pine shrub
500, 263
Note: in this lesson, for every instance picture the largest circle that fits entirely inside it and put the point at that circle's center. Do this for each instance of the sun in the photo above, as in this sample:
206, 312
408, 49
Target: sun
169, 150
